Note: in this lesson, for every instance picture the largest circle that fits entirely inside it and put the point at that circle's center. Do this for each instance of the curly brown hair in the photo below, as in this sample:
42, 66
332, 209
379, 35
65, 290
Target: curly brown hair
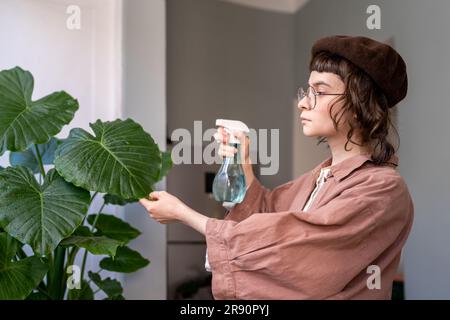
365, 101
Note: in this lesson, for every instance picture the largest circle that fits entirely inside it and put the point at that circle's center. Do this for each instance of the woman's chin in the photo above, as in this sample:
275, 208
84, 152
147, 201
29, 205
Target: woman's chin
308, 133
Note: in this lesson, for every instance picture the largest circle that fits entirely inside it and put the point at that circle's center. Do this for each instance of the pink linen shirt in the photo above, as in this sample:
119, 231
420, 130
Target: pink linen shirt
267, 247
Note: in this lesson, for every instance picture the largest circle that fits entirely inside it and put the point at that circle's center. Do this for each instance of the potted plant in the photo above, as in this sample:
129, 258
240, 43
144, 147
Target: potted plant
47, 209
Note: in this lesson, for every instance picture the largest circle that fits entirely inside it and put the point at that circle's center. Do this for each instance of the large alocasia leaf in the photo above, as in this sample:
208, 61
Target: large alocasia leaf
17, 278
113, 227
166, 165
126, 260
121, 159
40, 216
23, 121
94, 244
117, 200
28, 158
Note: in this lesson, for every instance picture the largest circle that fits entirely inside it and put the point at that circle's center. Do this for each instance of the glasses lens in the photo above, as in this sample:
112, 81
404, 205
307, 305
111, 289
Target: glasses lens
300, 94
312, 97
309, 94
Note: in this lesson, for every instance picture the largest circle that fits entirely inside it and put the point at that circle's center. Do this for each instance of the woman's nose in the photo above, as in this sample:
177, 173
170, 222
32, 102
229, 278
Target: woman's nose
303, 104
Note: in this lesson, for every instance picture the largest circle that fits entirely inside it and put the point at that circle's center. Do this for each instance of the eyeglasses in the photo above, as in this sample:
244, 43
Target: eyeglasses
311, 95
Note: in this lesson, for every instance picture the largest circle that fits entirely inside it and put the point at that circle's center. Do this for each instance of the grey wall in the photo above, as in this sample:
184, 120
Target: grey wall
223, 61
232, 62
229, 61
420, 33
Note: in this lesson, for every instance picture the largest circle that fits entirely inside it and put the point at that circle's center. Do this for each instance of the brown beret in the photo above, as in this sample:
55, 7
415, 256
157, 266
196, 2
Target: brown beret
380, 61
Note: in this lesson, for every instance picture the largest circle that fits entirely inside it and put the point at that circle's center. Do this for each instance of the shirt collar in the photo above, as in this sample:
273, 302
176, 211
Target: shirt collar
341, 170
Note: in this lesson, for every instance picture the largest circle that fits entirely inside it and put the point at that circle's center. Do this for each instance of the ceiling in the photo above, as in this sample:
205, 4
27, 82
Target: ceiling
285, 6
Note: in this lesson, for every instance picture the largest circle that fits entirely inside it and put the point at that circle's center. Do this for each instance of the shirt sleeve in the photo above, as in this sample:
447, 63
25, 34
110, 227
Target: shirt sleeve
306, 255
257, 199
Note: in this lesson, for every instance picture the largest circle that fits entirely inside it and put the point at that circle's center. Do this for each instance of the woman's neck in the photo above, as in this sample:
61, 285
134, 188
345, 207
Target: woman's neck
338, 152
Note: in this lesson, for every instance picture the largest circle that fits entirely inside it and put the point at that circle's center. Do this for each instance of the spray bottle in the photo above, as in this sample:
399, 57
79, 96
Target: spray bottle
229, 185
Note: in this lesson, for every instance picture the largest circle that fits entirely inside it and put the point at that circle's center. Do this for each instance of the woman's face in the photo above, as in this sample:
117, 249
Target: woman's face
318, 121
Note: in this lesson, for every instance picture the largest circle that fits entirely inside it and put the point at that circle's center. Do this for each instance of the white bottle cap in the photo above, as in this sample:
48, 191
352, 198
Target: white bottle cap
231, 127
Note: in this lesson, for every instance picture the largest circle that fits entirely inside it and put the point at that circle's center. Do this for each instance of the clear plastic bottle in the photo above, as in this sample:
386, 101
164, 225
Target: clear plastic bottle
229, 185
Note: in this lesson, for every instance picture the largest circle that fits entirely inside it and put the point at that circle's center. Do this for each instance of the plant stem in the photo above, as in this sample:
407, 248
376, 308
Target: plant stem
93, 196
71, 256
96, 217
90, 203
57, 288
21, 253
39, 158
83, 265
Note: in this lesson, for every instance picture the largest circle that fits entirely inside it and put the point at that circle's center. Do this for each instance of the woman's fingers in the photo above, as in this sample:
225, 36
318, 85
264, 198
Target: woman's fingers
223, 135
227, 151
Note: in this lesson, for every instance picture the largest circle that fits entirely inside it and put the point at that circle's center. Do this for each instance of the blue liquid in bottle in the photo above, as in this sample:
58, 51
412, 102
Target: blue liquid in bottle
229, 183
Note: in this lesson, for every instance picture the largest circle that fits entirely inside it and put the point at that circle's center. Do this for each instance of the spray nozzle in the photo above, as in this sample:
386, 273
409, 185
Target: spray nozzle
232, 127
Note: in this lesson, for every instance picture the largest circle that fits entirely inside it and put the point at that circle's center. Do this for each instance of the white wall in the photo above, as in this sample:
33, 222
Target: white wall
145, 101
86, 62
83, 62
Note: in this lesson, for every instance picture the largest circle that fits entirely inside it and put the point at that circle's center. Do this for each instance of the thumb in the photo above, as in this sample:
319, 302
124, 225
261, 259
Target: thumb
147, 204
154, 195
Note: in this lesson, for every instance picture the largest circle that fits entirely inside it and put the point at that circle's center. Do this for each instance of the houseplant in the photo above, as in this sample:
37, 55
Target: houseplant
46, 193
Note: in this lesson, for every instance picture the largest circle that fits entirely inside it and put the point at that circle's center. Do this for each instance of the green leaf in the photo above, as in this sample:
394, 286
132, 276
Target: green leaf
109, 286
18, 278
118, 200
113, 227
28, 158
82, 231
166, 164
126, 260
93, 244
24, 122
84, 293
40, 215
121, 159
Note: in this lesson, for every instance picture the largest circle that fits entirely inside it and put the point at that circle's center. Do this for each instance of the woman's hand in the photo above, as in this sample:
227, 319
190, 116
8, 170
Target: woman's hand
228, 151
164, 207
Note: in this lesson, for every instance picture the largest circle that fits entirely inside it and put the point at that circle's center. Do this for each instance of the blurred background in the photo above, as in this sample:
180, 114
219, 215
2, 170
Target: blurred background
168, 63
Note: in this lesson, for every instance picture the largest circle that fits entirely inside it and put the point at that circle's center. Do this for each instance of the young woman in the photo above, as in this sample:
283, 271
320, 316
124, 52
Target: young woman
337, 231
